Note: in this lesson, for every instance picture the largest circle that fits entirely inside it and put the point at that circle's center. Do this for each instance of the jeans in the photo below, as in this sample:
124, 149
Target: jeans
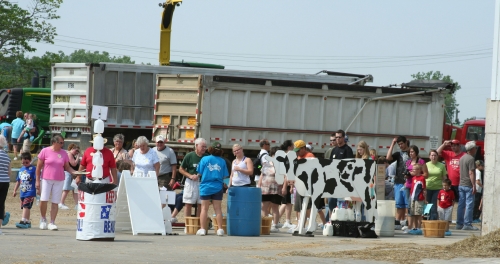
332, 203
465, 206
432, 196
477, 201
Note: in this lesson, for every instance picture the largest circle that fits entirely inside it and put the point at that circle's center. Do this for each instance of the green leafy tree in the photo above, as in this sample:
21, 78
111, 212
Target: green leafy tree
19, 27
450, 101
17, 71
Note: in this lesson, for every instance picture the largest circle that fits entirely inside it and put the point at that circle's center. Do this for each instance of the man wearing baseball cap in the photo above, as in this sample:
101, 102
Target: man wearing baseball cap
301, 149
452, 158
168, 163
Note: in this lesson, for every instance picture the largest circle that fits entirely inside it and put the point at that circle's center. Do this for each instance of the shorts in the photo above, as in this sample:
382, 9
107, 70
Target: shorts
27, 202
17, 144
456, 192
402, 202
51, 188
417, 208
215, 197
68, 179
273, 198
287, 198
445, 213
164, 180
191, 192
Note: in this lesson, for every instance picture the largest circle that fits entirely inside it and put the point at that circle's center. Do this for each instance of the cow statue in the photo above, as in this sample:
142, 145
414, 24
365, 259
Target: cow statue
320, 178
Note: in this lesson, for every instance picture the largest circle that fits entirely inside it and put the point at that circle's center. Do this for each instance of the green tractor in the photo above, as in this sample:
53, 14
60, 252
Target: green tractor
32, 100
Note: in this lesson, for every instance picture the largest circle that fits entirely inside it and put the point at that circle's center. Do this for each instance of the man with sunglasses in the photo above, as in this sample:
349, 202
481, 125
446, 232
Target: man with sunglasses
342, 151
168, 163
452, 158
333, 145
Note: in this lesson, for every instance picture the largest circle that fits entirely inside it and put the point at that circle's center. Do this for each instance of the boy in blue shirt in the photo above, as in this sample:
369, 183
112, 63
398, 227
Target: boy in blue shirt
26, 179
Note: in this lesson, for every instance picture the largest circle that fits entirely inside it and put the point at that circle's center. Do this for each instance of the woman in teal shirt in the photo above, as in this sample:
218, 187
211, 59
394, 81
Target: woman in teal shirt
434, 182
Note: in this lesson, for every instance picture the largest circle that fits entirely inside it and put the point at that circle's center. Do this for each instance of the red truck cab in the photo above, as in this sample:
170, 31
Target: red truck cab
471, 130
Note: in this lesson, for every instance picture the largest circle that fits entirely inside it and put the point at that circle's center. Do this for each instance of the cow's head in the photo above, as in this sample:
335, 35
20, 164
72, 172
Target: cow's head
279, 161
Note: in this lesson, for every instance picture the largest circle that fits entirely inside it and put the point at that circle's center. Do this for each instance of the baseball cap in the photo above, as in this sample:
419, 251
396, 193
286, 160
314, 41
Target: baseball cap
455, 141
309, 147
216, 145
160, 138
298, 145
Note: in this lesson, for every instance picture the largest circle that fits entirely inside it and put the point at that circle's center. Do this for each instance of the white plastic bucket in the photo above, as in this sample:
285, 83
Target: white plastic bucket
96, 216
384, 224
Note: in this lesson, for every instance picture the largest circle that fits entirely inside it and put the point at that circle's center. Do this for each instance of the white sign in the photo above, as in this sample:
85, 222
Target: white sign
434, 142
138, 206
99, 112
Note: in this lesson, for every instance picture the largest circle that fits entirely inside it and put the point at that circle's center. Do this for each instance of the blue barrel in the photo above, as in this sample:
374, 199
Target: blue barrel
243, 211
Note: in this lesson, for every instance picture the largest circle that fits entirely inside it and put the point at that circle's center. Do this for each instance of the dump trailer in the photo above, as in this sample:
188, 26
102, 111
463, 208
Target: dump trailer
129, 91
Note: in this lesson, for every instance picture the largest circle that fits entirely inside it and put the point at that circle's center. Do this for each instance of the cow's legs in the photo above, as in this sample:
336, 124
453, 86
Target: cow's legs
302, 217
312, 220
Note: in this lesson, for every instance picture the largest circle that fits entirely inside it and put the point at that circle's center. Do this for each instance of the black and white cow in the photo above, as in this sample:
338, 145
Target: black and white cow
319, 178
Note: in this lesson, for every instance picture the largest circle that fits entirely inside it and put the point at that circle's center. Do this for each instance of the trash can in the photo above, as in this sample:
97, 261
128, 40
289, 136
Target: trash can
96, 212
243, 211
384, 224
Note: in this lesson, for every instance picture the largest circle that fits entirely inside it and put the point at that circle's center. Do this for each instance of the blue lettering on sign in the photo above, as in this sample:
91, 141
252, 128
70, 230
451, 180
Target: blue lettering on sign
79, 225
109, 226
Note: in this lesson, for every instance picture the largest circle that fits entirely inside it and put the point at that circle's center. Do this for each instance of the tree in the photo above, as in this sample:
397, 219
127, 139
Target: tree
451, 106
19, 27
17, 71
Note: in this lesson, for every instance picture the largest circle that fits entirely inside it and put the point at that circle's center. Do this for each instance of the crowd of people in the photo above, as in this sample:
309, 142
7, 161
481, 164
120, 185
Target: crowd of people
411, 181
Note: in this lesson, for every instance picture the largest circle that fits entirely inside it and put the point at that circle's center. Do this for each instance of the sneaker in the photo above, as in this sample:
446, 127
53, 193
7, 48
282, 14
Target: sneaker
43, 225
220, 232
6, 218
63, 207
201, 232
279, 225
274, 229
22, 224
412, 232
397, 227
173, 220
52, 227
405, 229
459, 227
467, 227
476, 221
403, 223
321, 226
418, 232
287, 225
29, 224
447, 233
15, 158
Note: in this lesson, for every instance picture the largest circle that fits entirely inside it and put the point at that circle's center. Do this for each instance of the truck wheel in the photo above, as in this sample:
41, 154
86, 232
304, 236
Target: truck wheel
34, 148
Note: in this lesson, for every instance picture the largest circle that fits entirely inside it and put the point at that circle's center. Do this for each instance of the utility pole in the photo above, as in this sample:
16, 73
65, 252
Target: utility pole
491, 191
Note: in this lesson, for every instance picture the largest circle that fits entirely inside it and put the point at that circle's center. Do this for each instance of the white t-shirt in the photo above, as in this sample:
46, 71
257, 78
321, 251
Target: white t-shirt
478, 177
145, 162
262, 161
167, 158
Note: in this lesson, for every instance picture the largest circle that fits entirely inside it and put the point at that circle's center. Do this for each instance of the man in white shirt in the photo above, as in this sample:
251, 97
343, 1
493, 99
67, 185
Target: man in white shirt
168, 163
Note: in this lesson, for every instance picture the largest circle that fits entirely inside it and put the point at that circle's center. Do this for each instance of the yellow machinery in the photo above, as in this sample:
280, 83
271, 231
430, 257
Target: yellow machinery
166, 29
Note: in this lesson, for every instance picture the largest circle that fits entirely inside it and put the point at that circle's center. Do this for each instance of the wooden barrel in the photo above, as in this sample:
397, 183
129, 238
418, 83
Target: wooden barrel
193, 224
224, 222
434, 228
265, 227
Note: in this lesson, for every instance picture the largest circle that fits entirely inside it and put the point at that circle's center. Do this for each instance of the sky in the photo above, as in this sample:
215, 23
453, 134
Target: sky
390, 40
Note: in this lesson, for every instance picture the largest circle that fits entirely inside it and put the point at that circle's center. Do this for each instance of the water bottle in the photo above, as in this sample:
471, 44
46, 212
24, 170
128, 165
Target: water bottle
358, 216
37, 199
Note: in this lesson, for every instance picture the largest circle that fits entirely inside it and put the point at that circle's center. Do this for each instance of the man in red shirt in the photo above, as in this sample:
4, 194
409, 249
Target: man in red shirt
108, 167
452, 158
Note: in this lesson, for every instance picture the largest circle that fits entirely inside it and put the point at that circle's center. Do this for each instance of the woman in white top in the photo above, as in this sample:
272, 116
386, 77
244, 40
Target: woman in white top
145, 158
242, 168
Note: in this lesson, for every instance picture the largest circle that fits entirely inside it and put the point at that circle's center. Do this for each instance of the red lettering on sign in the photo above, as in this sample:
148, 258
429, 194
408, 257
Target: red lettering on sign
110, 197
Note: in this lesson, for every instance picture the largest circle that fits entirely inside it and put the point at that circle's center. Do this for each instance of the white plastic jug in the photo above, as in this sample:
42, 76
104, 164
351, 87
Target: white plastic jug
167, 216
342, 214
328, 230
350, 214
334, 216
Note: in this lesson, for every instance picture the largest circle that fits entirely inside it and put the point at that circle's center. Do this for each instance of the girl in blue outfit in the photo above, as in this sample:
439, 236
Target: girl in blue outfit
212, 170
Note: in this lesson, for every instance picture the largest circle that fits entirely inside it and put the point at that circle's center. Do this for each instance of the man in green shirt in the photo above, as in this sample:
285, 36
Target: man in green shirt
188, 167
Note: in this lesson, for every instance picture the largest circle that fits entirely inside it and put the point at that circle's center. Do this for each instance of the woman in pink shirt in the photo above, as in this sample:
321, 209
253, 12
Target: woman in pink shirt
54, 161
